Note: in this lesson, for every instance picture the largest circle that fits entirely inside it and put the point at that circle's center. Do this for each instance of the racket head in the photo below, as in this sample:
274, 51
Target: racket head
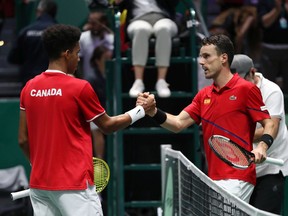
101, 174
230, 152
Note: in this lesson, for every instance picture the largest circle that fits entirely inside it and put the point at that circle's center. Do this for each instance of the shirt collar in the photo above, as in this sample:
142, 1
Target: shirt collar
228, 85
260, 80
55, 71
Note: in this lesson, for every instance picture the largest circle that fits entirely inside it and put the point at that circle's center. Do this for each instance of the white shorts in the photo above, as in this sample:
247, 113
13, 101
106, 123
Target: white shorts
66, 203
239, 188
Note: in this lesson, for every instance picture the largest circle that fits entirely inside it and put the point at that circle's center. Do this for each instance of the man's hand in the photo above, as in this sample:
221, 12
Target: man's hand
148, 102
260, 152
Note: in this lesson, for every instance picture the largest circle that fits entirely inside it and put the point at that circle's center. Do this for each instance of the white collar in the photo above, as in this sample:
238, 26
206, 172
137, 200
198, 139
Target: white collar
55, 71
260, 75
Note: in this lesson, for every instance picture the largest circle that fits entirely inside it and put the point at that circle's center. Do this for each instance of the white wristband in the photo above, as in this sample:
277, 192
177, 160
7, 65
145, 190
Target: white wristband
136, 113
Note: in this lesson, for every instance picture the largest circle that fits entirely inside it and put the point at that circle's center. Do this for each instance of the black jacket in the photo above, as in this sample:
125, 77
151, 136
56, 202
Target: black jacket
28, 52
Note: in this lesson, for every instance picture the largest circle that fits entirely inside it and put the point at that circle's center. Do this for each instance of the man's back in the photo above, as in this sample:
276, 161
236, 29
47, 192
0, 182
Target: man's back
57, 112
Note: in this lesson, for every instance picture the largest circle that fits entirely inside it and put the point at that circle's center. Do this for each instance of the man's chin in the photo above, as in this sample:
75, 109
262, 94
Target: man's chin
207, 76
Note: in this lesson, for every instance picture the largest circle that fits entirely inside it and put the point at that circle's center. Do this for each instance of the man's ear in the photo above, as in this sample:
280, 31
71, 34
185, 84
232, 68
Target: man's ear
253, 71
224, 58
66, 53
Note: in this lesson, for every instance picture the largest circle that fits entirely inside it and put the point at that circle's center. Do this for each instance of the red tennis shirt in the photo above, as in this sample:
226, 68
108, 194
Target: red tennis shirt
233, 112
58, 111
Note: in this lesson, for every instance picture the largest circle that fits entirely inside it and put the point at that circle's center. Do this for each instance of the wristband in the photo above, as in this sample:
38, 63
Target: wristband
160, 116
268, 139
136, 114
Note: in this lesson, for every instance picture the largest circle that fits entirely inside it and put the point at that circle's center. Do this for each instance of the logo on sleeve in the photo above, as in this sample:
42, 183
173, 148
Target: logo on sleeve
263, 108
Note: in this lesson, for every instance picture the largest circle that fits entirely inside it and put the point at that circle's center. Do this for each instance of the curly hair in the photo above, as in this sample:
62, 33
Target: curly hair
59, 38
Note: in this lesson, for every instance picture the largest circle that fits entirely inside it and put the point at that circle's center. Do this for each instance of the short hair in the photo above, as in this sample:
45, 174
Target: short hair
223, 45
48, 6
58, 38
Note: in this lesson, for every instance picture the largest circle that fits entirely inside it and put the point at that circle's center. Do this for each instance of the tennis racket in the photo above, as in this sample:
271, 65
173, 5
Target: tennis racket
101, 179
235, 155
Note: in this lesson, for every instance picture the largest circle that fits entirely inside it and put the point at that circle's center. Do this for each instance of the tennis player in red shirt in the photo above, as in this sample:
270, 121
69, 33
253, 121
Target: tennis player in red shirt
230, 107
54, 130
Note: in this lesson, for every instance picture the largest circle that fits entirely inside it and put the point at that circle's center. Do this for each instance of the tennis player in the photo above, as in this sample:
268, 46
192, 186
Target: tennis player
268, 193
230, 107
54, 130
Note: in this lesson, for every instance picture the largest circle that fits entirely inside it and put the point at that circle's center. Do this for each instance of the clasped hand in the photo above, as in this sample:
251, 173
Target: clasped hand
148, 102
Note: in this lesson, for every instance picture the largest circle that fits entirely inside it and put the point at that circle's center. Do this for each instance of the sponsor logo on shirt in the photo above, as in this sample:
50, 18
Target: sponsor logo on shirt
45, 92
232, 97
34, 33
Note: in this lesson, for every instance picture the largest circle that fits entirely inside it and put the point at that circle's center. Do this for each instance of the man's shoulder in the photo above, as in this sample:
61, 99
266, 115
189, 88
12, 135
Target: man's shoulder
242, 83
206, 91
268, 84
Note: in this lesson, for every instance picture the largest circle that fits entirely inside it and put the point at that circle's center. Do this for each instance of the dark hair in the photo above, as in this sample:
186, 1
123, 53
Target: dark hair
58, 38
97, 54
223, 45
103, 19
49, 7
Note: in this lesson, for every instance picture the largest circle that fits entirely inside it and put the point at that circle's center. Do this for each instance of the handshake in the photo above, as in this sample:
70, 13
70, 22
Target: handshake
146, 105
148, 102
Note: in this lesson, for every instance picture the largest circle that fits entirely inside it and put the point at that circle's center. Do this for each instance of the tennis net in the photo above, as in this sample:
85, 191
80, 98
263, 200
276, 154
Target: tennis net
186, 190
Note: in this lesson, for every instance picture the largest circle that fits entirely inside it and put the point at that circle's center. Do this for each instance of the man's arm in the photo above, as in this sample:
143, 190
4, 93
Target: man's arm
108, 124
260, 131
265, 140
177, 123
23, 135
174, 123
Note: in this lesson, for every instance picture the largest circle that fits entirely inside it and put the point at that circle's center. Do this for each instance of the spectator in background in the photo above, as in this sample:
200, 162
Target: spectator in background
145, 19
96, 33
236, 19
273, 18
268, 193
98, 60
28, 51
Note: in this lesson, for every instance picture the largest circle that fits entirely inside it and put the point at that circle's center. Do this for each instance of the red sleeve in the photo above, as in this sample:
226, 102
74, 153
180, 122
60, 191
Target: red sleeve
89, 103
255, 105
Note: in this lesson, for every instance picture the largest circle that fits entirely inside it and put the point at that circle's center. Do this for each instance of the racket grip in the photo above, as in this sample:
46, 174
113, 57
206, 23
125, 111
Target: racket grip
274, 161
20, 194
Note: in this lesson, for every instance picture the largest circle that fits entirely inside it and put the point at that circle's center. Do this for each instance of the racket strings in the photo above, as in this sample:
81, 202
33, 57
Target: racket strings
230, 152
101, 174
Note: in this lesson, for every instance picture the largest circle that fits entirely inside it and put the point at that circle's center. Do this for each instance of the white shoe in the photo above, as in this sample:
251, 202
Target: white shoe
162, 88
137, 87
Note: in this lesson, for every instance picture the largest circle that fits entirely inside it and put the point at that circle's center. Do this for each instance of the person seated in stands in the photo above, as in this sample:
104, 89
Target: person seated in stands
236, 19
27, 51
146, 19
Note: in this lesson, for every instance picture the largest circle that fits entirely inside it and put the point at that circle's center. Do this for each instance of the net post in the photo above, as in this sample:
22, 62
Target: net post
163, 148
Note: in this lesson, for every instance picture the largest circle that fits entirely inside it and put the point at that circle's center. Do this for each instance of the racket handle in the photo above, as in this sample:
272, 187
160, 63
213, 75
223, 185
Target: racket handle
20, 194
274, 161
